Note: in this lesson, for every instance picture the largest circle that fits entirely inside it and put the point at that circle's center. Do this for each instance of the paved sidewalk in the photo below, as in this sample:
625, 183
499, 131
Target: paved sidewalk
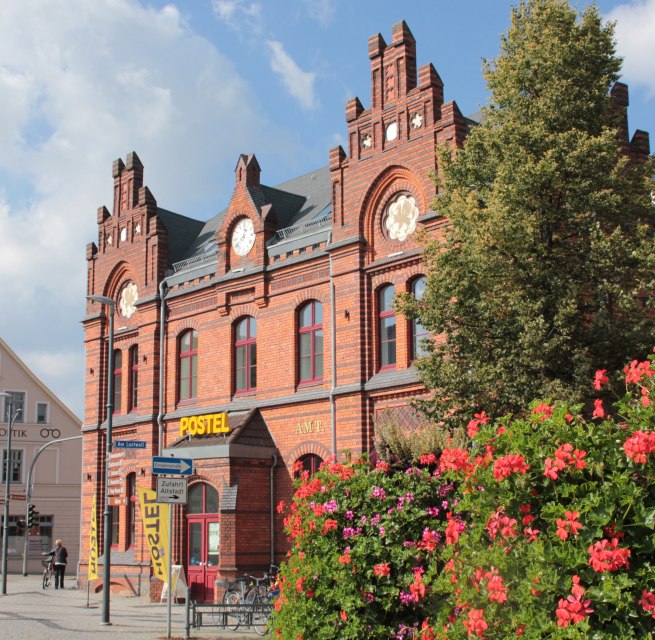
29, 612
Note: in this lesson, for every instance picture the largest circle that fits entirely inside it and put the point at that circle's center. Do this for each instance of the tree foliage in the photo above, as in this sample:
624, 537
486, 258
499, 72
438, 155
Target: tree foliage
546, 270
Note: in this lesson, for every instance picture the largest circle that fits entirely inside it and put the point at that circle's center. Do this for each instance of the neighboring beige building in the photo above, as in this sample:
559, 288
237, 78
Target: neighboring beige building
56, 477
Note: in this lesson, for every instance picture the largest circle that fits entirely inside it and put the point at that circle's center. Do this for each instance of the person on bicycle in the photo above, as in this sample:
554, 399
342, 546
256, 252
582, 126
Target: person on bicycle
59, 557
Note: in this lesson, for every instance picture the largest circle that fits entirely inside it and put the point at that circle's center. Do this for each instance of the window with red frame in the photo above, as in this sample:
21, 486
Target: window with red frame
118, 380
133, 398
310, 462
188, 365
419, 332
387, 327
310, 342
131, 509
245, 355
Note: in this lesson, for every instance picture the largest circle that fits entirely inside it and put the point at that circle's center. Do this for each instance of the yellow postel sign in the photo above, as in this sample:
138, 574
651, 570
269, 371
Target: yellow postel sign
155, 527
208, 424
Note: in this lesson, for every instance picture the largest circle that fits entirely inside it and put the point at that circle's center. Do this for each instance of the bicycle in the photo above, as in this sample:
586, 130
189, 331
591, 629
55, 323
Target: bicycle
260, 595
233, 596
47, 572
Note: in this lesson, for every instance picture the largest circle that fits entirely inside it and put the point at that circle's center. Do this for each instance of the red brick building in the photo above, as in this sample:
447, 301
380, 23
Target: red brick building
276, 312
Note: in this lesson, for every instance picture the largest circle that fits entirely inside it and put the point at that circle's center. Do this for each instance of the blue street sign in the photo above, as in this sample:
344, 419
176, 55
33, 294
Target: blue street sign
129, 444
172, 466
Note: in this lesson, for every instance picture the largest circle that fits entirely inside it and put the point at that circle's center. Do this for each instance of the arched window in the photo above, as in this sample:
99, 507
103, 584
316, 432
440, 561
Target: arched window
118, 379
419, 332
131, 509
189, 365
203, 498
133, 397
245, 355
310, 462
387, 327
310, 342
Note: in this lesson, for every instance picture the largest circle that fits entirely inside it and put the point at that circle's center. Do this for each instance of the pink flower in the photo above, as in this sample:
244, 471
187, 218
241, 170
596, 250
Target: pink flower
640, 445
608, 556
635, 371
474, 425
600, 379
571, 611
512, 463
475, 623
543, 410
648, 602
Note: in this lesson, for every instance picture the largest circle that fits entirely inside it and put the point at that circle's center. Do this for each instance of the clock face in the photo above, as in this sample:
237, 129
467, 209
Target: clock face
128, 299
243, 236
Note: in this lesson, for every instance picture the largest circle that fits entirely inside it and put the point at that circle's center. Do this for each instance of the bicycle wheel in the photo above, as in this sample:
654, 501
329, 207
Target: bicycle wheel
233, 616
46, 579
259, 622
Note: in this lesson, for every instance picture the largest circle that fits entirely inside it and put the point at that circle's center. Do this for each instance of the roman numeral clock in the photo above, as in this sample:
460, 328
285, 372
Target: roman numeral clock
243, 237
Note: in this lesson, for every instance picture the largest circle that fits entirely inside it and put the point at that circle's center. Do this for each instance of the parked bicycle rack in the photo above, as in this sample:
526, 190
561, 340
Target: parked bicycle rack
227, 615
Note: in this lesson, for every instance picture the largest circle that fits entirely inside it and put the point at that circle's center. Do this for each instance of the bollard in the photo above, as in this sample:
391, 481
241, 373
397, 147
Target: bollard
187, 617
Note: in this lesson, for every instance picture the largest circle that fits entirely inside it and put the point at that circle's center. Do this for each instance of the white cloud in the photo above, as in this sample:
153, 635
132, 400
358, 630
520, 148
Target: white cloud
320, 10
299, 83
81, 84
239, 15
635, 33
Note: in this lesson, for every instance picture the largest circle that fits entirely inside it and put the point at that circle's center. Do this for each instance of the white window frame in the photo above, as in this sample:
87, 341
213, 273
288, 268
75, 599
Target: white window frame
21, 466
47, 413
21, 418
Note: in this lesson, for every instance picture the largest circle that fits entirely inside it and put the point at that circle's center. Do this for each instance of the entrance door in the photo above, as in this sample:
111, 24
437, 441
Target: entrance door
203, 541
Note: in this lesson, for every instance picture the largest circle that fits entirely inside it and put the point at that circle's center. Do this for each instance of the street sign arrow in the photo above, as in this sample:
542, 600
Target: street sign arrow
172, 466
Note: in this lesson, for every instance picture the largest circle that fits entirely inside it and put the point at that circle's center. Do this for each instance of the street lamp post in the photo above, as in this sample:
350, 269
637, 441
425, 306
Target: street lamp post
12, 415
106, 575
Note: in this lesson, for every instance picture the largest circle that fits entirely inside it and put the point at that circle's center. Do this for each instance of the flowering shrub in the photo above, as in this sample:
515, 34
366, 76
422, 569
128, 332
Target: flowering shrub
540, 527
559, 517
365, 546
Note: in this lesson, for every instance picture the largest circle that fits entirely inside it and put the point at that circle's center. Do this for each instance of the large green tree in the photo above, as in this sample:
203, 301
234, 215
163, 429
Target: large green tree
546, 272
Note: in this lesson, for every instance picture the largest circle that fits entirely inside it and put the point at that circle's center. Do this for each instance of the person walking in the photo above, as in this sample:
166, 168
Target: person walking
59, 559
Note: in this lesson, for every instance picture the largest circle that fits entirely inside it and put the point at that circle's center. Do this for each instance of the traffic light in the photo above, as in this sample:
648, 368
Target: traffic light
32, 517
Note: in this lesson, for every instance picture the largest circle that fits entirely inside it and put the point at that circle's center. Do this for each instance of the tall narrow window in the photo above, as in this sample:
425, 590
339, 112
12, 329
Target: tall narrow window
131, 509
310, 340
16, 466
134, 378
115, 525
189, 365
245, 355
42, 412
17, 405
118, 379
387, 327
419, 332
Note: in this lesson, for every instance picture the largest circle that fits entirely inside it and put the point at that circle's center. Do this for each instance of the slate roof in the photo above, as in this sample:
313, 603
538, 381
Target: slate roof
302, 206
182, 231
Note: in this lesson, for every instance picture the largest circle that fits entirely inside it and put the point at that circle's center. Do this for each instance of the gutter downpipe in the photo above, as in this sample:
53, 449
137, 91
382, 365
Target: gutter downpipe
272, 480
162, 327
333, 349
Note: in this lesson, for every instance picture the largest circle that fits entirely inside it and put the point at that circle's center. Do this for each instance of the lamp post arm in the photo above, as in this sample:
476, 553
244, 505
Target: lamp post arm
28, 492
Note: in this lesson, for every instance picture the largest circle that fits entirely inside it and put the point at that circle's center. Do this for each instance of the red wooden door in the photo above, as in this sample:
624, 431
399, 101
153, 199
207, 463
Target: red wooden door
203, 536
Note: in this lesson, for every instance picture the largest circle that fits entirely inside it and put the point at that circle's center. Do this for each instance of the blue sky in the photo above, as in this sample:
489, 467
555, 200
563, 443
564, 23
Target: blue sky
189, 85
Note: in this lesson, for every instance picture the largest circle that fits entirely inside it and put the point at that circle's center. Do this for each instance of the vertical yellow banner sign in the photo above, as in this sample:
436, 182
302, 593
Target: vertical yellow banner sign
93, 541
155, 529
